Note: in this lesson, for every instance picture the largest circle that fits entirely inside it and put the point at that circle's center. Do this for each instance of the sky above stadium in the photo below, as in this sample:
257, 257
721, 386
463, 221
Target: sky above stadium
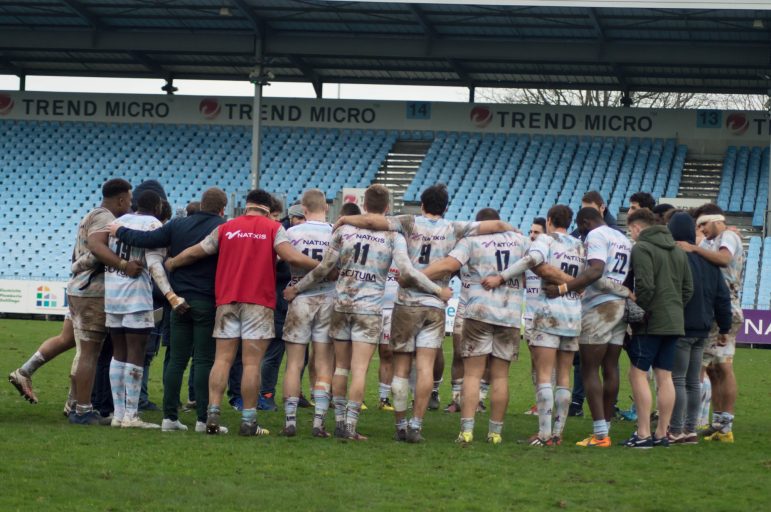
229, 88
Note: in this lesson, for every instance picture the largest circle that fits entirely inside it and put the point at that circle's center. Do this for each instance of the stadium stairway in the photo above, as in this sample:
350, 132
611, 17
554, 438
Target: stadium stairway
701, 179
400, 166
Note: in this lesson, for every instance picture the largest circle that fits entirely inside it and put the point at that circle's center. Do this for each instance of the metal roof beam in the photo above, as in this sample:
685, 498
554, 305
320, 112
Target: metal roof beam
153, 66
423, 21
596, 23
462, 74
83, 13
686, 54
7, 66
257, 23
308, 73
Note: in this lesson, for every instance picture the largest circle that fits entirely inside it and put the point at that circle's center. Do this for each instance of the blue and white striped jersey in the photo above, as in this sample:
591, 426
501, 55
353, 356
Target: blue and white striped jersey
612, 248
124, 294
428, 240
312, 239
560, 316
488, 255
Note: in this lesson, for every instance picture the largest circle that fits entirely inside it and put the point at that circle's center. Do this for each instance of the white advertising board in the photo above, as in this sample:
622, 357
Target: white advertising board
33, 297
705, 131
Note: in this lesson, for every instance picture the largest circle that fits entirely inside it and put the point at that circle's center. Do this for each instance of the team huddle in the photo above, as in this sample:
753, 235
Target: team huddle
380, 283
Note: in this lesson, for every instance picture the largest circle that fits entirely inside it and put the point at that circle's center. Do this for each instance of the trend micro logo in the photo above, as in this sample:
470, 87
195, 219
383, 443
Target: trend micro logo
737, 123
45, 298
6, 104
481, 116
210, 108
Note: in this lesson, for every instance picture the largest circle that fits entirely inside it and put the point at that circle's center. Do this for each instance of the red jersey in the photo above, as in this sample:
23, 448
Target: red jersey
246, 264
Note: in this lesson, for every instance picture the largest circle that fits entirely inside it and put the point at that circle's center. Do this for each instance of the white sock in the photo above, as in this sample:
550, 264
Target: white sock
544, 399
33, 363
133, 377
384, 390
118, 385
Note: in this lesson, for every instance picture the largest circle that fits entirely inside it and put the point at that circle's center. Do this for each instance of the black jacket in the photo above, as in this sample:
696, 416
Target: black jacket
196, 281
711, 300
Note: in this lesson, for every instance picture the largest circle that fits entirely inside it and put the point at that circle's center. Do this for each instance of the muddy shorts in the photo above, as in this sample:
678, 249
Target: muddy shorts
138, 320
355, 327
481, 339
603, 324
89, 322
308, 319
547, 340
714, 353
245, 321
416, 327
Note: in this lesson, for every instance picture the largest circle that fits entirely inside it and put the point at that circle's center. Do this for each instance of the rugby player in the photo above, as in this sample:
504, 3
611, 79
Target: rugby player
491, 319
308, 316
245, 300
364, 258
128, 304
555, 324
602, 324
722, 247
85, 291
417, 325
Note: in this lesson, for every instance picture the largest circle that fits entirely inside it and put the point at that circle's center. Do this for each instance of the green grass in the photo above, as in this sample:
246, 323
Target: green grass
46, 464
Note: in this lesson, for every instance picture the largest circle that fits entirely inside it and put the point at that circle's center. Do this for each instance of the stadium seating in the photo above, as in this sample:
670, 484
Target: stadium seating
54, 171
752, 267
763, 300
521, 175
744, 183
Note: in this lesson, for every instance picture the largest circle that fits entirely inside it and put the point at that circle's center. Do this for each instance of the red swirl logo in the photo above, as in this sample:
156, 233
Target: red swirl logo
210, 108
738, 124
6, 104
481, 116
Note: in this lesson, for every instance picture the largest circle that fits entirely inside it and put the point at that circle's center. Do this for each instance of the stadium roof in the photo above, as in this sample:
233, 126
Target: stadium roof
472, 44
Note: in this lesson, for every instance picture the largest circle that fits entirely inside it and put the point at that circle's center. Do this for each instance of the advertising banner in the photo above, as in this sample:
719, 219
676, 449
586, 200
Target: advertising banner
704, 130
756, 328
33, 297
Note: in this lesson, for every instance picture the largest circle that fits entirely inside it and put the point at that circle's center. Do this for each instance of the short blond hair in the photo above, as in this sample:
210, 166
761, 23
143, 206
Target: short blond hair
314, 200
376, 199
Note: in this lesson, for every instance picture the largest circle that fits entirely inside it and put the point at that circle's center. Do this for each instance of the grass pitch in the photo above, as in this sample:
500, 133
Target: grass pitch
46, 464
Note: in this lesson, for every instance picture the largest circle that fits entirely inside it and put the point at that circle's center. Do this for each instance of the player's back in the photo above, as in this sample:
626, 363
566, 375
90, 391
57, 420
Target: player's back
364, 261
612, 248
89, 282
429, 240
312, 239
485, 256
124, 294
561, 315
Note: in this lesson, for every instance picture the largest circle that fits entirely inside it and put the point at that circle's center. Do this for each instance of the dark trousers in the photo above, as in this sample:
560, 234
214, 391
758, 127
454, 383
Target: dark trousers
579, 395
101, 395
191, 335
